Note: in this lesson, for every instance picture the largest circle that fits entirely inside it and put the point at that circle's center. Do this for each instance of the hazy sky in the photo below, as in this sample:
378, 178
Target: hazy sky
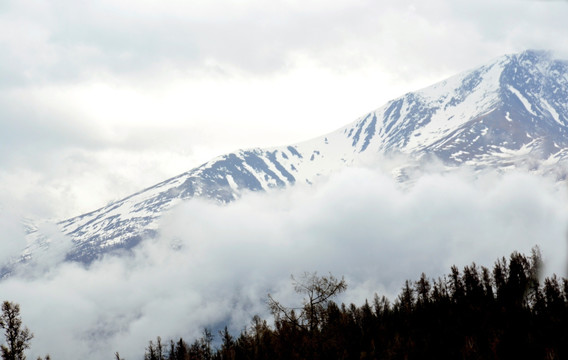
100, 99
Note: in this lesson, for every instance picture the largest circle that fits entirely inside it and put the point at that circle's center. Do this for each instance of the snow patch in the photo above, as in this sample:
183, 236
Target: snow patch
523, 99
232, 183
552, 112
508, 117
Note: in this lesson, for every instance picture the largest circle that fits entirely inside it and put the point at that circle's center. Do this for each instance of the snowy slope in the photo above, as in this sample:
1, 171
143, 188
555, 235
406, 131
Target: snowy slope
510, 112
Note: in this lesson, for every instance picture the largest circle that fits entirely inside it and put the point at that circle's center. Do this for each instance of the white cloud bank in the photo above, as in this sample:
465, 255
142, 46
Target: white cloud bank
213, 263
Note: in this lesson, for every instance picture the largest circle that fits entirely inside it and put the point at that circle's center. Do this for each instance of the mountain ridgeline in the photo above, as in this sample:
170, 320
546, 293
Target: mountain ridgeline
509, 113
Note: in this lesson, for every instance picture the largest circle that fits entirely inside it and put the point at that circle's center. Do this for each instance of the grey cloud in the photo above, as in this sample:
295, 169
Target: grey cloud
70, 40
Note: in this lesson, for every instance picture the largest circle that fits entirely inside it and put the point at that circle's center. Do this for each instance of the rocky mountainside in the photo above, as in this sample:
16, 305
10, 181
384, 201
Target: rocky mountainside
511, 112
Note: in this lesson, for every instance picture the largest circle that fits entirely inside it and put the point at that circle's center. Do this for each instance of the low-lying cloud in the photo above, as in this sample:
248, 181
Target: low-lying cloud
215, 264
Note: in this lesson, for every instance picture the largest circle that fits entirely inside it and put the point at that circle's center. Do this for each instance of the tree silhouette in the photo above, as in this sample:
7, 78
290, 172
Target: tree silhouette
17, 337
478, 313
319, 290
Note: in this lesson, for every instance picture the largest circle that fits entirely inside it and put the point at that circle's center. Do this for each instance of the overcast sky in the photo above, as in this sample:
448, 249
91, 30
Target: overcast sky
100, 99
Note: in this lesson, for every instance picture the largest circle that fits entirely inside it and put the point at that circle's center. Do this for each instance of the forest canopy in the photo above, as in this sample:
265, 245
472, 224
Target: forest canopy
507, 311
474, 313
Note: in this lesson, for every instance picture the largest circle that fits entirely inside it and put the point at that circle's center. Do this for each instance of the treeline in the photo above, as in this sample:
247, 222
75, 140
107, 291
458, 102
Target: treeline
476, 313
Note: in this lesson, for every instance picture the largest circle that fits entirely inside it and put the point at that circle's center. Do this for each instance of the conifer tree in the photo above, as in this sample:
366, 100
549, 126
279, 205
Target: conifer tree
423, 290
17, 336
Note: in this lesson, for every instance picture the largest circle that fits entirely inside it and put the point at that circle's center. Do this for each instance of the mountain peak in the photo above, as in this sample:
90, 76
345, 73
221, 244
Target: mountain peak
514, 102
511, 112
531, 57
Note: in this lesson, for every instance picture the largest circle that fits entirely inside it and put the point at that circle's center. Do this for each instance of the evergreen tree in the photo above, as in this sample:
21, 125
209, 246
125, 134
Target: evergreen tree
423, 290
227, 351
17, 337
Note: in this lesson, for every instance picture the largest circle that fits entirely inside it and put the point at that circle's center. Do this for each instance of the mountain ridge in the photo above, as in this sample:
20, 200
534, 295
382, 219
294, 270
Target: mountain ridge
508, 113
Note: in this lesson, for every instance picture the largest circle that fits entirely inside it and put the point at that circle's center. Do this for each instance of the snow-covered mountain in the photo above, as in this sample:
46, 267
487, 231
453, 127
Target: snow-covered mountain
510, 112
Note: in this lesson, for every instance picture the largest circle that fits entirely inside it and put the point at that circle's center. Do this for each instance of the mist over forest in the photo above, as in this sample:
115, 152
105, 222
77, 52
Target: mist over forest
213, 265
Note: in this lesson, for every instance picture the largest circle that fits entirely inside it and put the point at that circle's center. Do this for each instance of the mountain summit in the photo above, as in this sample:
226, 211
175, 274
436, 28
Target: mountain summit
510, 112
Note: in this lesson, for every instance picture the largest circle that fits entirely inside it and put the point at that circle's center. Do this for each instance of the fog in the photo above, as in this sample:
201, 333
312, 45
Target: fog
214, 265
